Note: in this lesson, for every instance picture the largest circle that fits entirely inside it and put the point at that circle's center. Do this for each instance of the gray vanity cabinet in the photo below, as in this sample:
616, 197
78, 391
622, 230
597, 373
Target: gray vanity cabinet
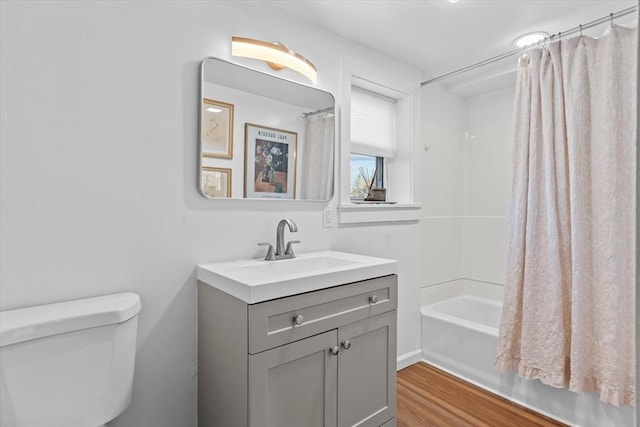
320, 359
294, 382
367, 371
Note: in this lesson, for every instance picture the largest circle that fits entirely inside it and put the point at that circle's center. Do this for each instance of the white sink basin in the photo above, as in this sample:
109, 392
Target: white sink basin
284, 268
254, 280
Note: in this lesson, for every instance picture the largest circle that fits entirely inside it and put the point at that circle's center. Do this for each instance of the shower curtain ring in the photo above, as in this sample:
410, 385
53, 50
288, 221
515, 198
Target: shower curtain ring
580, 30
611, 18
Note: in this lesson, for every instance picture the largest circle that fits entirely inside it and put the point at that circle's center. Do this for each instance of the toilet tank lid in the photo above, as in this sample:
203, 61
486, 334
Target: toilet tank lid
30, 323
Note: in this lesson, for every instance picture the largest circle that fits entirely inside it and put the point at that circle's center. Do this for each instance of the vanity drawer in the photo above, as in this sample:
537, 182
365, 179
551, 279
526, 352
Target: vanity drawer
277, 322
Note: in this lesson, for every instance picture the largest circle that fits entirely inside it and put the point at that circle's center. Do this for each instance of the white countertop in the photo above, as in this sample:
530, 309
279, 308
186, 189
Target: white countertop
257, 280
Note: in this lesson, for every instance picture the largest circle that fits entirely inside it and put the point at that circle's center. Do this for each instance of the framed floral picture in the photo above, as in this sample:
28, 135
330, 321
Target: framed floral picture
216, 182
216, 131
270, 162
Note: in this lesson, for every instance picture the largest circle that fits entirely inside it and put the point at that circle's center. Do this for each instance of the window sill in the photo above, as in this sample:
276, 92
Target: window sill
352, 213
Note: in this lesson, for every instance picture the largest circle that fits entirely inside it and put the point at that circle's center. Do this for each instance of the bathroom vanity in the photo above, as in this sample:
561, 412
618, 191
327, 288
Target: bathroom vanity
305, 342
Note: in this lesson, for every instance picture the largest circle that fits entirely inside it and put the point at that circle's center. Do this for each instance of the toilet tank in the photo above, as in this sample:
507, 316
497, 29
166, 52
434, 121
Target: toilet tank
68, 364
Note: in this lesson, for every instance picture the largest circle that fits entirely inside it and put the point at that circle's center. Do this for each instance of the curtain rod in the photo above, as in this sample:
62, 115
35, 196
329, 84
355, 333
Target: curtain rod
324, 110
550, 39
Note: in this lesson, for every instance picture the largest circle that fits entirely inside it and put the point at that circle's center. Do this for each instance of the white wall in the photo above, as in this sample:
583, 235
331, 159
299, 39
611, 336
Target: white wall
98, 172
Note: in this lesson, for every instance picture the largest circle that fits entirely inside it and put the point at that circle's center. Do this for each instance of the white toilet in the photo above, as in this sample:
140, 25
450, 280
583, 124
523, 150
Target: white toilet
68, 364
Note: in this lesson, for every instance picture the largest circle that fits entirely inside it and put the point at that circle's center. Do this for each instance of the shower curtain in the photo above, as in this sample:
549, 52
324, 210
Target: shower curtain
569, 304
317, 158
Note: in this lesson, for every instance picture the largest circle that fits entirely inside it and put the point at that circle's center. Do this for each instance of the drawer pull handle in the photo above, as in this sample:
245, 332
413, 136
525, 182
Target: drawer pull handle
346, 344
373, 299
334, 350
298, 319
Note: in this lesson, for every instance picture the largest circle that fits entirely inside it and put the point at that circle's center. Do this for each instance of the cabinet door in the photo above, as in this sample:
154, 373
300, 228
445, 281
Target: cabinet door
295, 385
367, 371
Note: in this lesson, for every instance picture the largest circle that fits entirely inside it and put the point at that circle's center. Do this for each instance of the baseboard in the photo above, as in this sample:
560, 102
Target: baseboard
408, 359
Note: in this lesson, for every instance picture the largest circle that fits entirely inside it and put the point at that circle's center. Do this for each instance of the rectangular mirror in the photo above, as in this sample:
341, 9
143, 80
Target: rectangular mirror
263, 137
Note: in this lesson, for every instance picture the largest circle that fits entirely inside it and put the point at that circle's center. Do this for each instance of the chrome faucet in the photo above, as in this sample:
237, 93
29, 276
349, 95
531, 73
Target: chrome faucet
280, 235
288, 251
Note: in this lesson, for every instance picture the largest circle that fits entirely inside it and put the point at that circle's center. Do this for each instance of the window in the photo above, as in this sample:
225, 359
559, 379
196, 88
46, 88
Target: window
372, 139
398, 87
365, 171
373, 118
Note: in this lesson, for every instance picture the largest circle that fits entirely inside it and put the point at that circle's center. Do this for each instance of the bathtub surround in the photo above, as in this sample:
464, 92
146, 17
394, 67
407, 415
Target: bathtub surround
466, 170
568, 317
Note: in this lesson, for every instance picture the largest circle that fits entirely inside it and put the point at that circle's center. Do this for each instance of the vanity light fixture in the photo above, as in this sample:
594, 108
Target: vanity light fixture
276, 55
529, 39
213, 110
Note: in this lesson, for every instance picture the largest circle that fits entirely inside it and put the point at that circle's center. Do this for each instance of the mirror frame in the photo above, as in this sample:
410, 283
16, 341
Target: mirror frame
199, 182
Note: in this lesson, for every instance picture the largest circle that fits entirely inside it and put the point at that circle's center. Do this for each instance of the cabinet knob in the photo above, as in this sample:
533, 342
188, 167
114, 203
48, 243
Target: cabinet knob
334, 350
373, 299
298, 319
346, 344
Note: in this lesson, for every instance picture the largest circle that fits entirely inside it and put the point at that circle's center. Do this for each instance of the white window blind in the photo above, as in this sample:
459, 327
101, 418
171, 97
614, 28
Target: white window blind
372, 123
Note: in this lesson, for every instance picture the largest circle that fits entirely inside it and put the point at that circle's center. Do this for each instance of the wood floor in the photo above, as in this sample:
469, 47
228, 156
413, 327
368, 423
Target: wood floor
429, 397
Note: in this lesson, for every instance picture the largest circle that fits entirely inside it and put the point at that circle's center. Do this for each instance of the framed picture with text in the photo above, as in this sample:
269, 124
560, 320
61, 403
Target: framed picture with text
270, 162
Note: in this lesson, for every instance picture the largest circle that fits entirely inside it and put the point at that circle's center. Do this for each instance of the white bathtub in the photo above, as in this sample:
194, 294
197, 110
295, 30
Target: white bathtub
460, 335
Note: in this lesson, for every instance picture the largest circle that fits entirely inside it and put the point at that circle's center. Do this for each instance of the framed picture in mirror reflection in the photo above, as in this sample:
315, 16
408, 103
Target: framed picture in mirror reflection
216, 129
216, 182
270, 162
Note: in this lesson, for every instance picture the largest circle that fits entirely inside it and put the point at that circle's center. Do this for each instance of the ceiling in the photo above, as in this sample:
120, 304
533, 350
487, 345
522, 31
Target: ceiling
438, 36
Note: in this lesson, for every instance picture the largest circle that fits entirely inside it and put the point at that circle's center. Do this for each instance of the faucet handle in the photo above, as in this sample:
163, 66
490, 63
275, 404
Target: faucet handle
270, 253
289, 250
